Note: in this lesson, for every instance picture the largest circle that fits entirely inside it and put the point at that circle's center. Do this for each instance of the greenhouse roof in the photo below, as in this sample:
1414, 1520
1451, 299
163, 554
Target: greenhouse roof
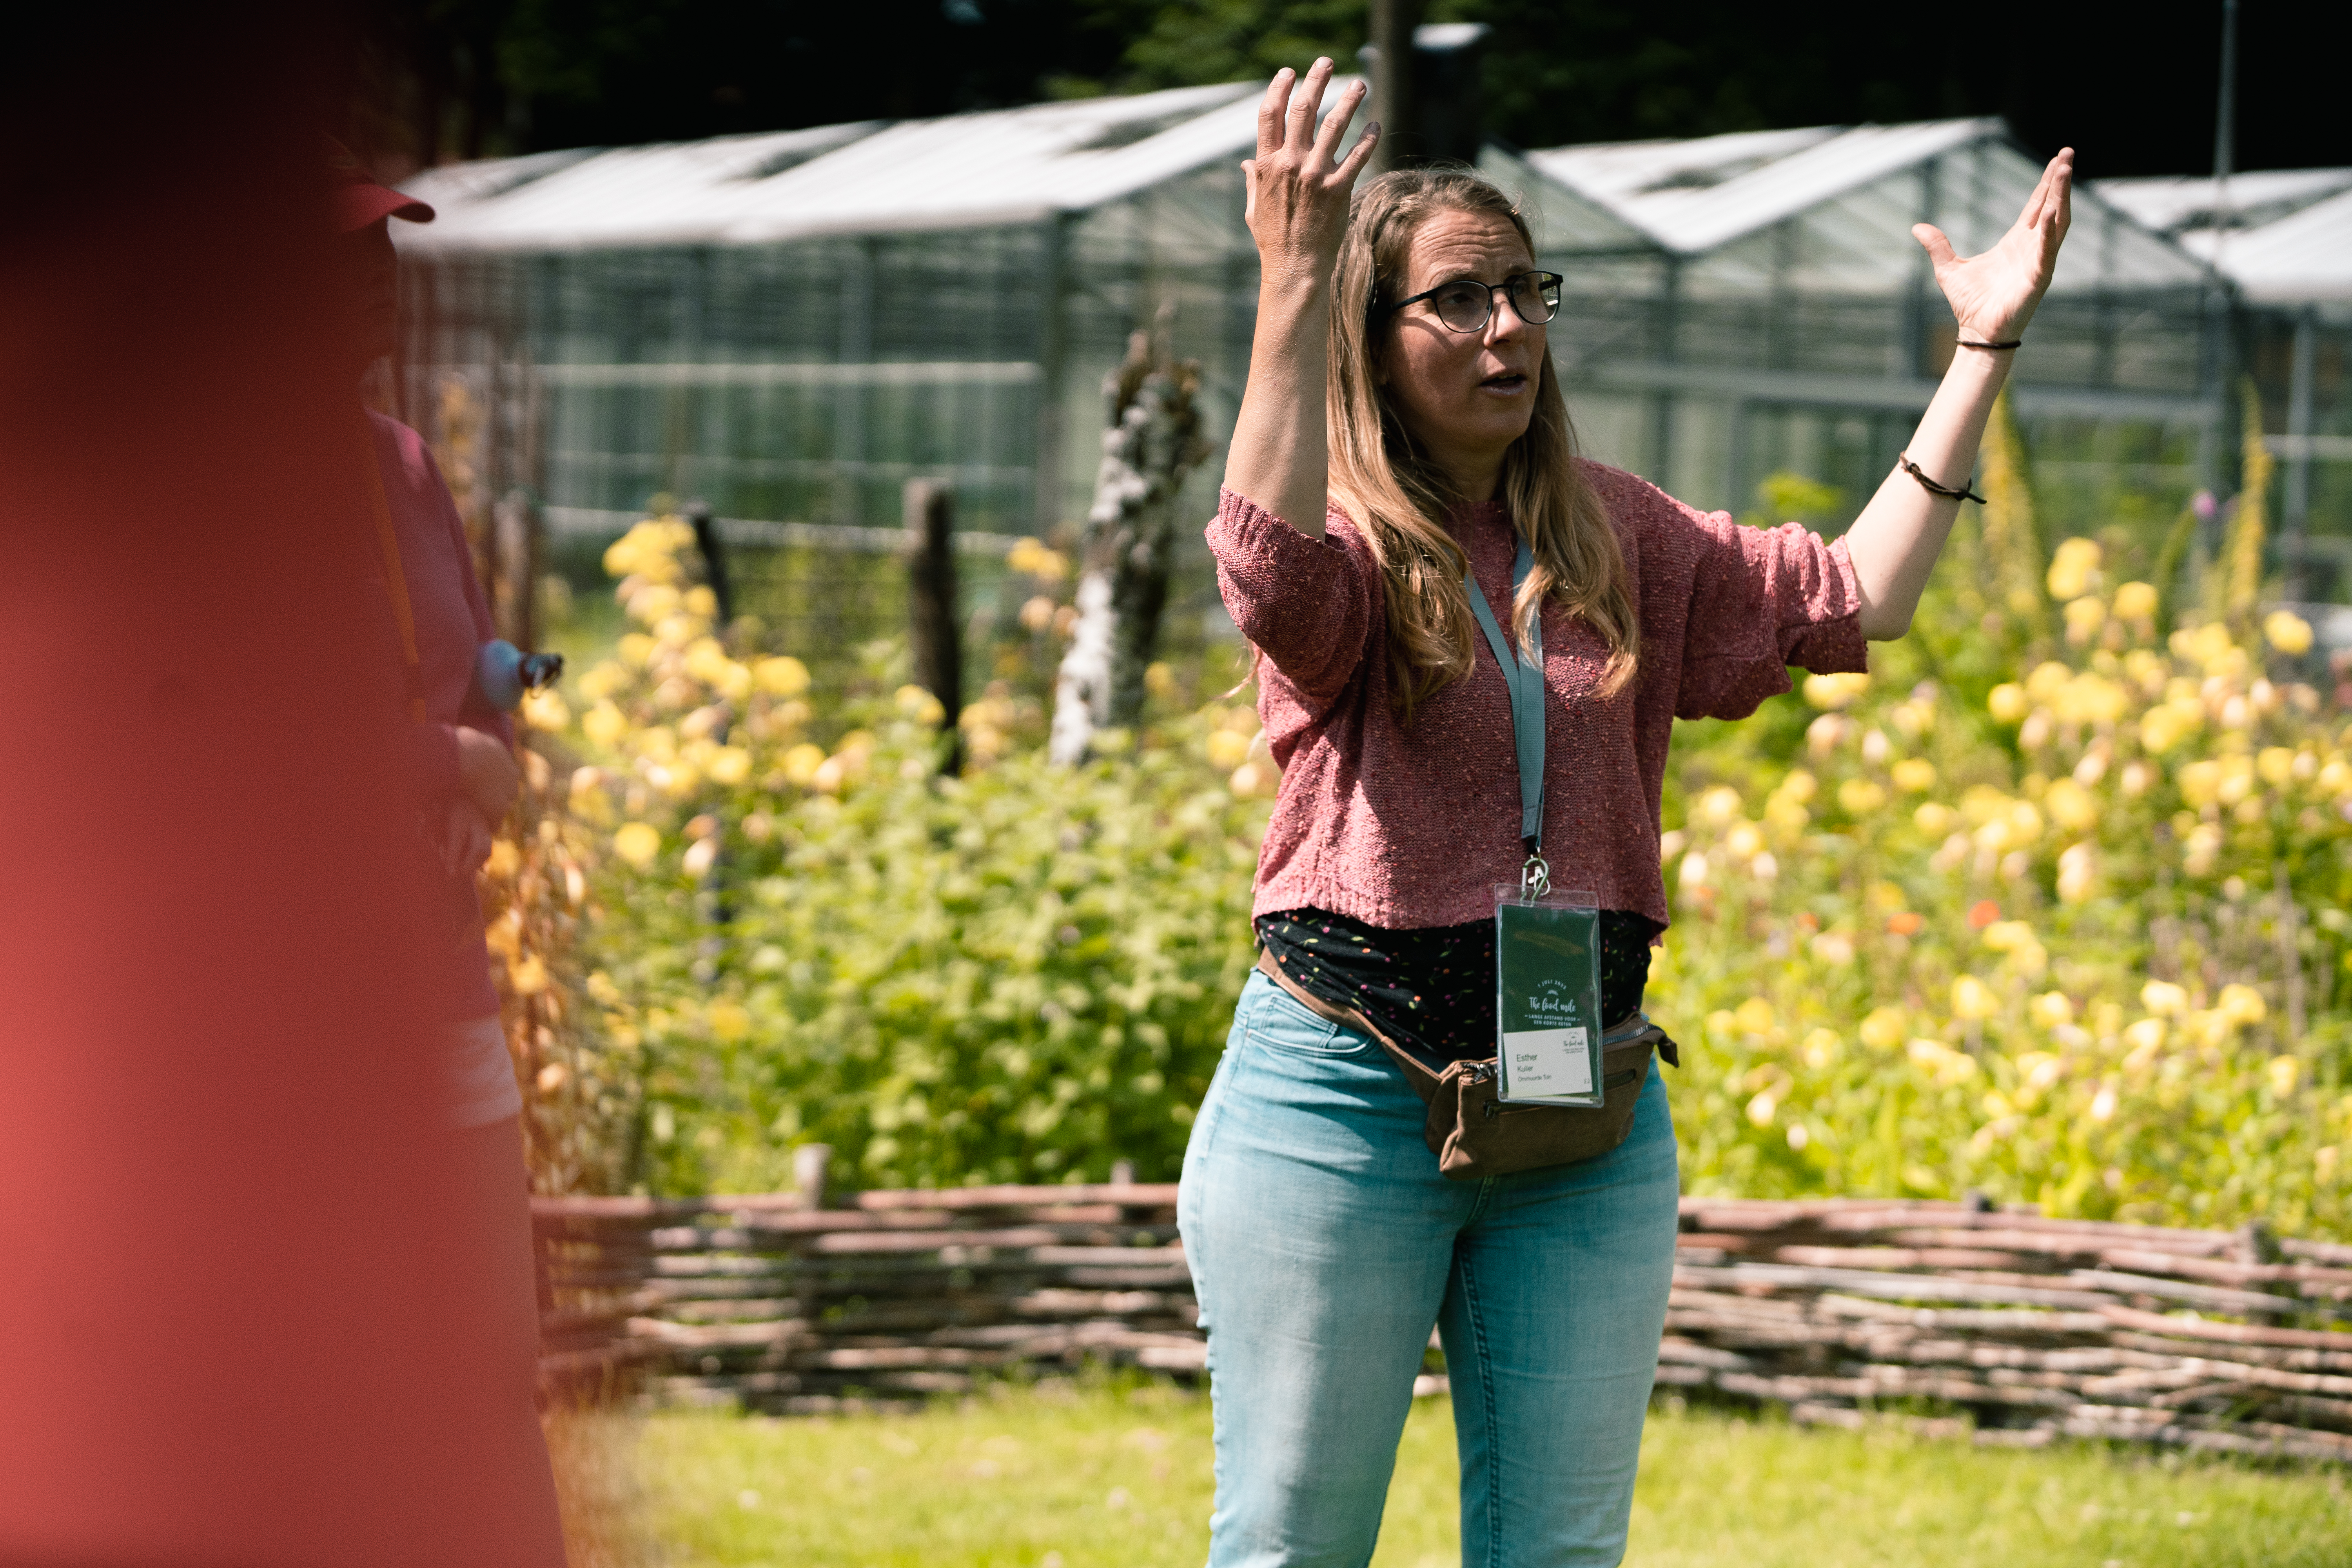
1853, 187
2306, 257
959, 172
963, 171
2283, 236
1694, 196
2182, 204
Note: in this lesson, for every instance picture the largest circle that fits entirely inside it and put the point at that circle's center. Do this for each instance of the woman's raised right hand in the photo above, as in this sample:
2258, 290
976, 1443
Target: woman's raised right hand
1296, 206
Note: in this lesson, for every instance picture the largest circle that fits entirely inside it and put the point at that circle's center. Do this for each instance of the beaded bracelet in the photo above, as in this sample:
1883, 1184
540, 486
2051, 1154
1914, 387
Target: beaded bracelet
2013, 342
1917, 472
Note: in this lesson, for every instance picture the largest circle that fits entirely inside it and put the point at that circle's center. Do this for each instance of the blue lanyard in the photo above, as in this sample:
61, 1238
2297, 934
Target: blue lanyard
1525, 680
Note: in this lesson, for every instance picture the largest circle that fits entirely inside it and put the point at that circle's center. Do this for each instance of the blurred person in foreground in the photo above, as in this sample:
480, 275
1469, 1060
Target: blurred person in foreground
465, 782
1402, 486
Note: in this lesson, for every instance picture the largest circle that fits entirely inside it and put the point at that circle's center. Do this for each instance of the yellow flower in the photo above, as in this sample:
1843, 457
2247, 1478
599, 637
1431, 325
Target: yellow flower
587, 797
730, 765
603, 680
2164, 998
1947, 1066
2085, 616
1252, 780
1835, 691
916, 703
1226, 749
654, 602
802, 762
1858, 797
504, 861
1822, 1049
2241, 1004
545, 710
2074, 568
781, 677
604, 724
2007, 702
728, 1021
2164, 727
1934, 818
526, 975
2078, 871
636, 649
701, 601
2072, 806
637, 843
2145, 1038
1763, 1108
2283, 1071
602, 990
2276, 764
1884, 1029
2007, 936
1914, 776
2135, 601
2288, 632
2052, 1010
1973, 999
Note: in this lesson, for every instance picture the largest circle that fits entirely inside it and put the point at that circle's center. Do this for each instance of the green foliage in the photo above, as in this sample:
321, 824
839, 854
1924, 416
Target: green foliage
1019, 974
1121, 1475
2081, 946
1791, 496
2066, 929
1016, 977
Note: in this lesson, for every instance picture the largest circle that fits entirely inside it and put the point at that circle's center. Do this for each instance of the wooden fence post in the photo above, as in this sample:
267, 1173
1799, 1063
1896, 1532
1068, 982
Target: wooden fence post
809, 1162
931, 580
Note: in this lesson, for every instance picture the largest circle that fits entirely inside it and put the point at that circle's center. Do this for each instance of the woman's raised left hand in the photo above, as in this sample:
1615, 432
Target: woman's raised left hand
1993, 295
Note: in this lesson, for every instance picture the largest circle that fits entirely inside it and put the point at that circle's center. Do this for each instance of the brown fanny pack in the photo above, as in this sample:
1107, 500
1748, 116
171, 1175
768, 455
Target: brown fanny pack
1472, 1132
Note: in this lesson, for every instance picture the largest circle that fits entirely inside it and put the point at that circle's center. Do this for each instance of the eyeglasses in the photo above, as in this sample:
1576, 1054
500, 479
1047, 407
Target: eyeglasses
1467, 305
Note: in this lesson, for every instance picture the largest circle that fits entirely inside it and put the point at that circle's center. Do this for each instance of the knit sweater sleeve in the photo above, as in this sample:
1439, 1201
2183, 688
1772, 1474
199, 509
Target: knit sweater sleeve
1307, 604
1761, 600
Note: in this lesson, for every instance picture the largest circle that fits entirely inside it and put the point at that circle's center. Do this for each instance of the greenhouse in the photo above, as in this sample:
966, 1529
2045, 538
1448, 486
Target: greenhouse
790, 326
2283, 240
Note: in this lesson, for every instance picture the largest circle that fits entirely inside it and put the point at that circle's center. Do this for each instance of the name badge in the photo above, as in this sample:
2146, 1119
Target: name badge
1548, 997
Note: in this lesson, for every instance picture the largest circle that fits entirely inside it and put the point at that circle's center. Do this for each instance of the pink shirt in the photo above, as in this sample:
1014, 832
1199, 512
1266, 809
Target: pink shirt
1402, 827
453, 621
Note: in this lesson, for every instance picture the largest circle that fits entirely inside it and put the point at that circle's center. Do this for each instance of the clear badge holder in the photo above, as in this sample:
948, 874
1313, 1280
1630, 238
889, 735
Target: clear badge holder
1547, 994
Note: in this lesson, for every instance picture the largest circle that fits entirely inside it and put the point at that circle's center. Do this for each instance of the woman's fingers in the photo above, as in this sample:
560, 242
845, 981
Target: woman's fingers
1269, 113
1307, 102
1335, 125
1249, 190
2063, 164
1361, 153
1938, 246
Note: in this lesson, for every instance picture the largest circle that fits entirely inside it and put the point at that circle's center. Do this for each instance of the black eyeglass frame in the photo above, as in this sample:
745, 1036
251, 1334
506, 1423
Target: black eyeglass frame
1547, 282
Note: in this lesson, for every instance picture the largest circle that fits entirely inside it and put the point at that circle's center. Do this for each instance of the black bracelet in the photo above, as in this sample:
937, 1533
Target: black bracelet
1963, 494
2013, 342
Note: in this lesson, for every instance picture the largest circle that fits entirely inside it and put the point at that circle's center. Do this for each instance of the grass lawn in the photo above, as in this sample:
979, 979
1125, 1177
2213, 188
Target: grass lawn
1119, 1478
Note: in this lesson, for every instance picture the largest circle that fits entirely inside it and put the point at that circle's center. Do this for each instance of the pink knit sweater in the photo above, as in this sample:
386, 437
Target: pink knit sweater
1402, 827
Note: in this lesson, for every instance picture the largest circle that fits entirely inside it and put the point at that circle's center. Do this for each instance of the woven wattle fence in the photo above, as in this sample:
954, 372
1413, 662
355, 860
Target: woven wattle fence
2019, 1329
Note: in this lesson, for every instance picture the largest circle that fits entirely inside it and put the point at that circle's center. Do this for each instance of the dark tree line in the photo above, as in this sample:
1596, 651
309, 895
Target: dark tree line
2133, 88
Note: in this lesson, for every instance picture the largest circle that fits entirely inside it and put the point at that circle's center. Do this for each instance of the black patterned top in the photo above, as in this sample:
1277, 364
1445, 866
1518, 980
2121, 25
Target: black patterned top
1432, 988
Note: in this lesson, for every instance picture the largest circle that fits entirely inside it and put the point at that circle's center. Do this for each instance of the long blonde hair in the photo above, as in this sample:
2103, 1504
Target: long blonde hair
1398, 499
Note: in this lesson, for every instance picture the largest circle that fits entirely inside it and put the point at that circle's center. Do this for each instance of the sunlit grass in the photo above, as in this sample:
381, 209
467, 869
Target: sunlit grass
1120, 1478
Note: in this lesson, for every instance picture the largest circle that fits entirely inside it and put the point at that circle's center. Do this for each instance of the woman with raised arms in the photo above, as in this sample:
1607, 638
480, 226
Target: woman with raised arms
1403, 460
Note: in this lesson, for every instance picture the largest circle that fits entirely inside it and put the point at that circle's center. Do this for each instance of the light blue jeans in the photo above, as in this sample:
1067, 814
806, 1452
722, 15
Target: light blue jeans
1324, 1244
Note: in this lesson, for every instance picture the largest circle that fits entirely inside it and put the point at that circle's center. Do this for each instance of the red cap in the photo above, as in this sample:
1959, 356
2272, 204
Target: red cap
357, 198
